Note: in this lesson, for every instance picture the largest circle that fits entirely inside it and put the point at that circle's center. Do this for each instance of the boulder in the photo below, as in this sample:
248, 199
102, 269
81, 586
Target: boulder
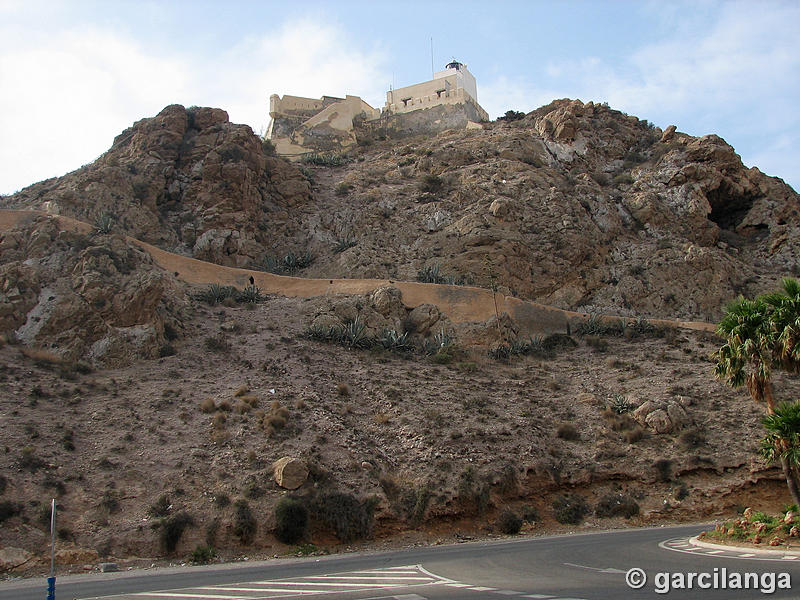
290, 473
387, 300
422, 318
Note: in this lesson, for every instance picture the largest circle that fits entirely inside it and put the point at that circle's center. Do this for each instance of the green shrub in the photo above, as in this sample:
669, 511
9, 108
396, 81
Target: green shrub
617, 505
268, 148
291, 518
244, 523
344, 242
172, 529
620, 404
289, 264
568, 431
530, 514
509, 522
29, 461
161, 507
570, 509
431, 184
342, 188
623, 178
203, 555
9, 509
251, 294
218, 343
104, 223
433, 274
349, 517
512, 115
474, 494
216, 293
663, 469
325, 160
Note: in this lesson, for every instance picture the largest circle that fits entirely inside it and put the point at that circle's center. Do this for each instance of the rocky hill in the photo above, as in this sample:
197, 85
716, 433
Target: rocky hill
575, 205
155, 407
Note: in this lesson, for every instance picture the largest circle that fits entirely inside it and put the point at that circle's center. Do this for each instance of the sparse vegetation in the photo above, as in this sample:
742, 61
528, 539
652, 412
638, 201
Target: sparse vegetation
291, 518
509, 521
288, 264
570, 509
244, 523
617, 505
350, 518
172, 529
568, 431
433, 274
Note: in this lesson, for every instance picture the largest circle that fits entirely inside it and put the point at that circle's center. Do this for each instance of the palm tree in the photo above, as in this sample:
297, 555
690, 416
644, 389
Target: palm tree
782, 441
749, 354
785, 305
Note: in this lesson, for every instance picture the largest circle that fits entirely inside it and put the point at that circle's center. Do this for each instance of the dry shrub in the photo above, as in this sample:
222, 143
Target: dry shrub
40, 357
619, 422
208, 405
276, 418
382, 418
250, 399
568, 431
225, 406
241, 391
633, 435
342, 389
241, 407
219, 421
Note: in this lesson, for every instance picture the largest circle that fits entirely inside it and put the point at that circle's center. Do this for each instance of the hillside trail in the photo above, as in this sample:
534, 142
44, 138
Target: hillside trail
461, 304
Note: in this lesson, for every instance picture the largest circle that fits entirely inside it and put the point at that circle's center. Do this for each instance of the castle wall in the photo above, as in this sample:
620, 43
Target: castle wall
449, 98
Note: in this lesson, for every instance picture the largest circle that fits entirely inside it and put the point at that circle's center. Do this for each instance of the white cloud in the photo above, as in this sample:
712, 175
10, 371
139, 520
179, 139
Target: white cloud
303, 58
67, 95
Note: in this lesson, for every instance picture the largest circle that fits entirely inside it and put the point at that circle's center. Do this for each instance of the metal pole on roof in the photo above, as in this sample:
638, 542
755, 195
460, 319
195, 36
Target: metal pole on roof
431, 58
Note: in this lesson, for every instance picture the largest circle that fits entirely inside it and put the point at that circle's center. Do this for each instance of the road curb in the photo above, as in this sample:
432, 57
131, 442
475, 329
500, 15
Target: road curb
762, 551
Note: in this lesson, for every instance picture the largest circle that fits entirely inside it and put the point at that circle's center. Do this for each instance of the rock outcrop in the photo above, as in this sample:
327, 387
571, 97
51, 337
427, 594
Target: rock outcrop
186, 180
85, 295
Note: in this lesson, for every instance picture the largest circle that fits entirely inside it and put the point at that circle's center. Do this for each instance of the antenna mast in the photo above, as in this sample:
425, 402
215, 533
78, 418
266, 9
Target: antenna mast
431, 58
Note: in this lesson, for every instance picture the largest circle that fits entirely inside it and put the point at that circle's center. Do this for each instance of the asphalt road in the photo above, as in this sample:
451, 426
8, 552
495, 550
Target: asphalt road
581, 566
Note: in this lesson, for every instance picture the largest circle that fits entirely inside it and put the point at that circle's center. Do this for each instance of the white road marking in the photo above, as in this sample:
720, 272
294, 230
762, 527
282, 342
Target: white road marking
201, 596
508, 592
481, 589
789, 558
746, 555
457, 585
537, 596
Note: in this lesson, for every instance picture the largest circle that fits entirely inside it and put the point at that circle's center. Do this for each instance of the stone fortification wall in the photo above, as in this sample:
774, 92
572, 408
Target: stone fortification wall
453, 97
438, 117
301, 125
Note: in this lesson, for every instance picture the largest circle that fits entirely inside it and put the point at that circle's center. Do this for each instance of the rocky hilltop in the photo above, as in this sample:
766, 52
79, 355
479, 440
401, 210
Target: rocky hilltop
170, 417
575, 205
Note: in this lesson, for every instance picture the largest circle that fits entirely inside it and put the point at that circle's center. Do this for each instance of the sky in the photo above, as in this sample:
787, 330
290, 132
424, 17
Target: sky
74, 74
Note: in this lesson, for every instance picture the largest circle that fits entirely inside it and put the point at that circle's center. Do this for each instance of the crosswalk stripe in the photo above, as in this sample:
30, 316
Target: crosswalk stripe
538, 596
458, 585
481, 589
183, 595
715, 552
350, 578
746, 555
789, 558
508, 592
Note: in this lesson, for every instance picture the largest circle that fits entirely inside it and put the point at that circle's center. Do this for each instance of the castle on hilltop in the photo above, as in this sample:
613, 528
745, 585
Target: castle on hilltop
300, 126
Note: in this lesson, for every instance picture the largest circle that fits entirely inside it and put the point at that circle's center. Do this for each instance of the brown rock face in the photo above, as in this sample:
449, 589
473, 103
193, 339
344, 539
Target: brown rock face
94, 297
577, 205
187, 180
